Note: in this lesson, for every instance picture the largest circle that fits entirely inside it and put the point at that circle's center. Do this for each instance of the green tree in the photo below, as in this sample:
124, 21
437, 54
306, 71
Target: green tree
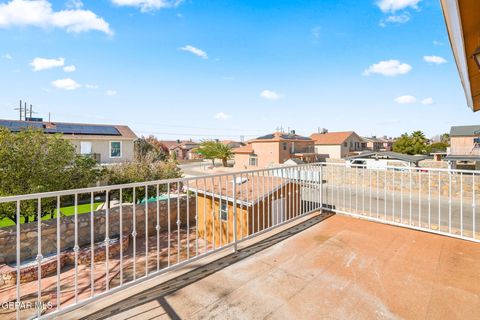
215, 150
141, 171
445, 138
439, 146
33, 162
415, 143
149, 147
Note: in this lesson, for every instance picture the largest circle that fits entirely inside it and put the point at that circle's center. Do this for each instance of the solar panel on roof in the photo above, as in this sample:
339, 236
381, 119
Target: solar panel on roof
82, 129
65, 128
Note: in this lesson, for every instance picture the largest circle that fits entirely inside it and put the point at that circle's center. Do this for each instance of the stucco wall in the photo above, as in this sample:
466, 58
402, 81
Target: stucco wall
463, 146
102, 147
333, 151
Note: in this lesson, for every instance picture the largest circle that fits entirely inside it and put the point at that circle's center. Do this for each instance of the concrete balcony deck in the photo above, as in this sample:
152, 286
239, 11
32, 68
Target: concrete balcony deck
323, 267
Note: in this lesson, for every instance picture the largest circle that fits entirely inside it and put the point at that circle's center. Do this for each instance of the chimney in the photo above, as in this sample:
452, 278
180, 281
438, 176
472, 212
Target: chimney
292, 132
322, 130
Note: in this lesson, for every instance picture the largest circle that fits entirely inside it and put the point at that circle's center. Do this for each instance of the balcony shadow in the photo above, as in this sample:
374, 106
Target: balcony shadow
159, 292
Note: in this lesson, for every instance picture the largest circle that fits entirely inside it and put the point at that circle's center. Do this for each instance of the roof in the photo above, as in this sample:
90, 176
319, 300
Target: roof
374, 139
462, 21
388, 155
331, 138
465, 131
295, 161
245, 149
463, 157
249, 190
280, 136
185, 144
71, 129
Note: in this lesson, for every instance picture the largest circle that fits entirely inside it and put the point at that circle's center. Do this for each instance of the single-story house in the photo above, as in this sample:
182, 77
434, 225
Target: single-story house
182, 150
260, 202
106, 143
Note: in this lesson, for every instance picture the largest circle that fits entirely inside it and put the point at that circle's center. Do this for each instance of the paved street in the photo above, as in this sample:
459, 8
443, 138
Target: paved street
400, 207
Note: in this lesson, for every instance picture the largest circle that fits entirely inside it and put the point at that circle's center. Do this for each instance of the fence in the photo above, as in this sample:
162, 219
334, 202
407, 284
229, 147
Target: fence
71, 255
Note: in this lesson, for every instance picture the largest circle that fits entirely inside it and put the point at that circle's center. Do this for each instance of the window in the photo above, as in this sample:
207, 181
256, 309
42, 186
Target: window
115, 149
253, 161
345, 144
223, 212
85, 147
284, 146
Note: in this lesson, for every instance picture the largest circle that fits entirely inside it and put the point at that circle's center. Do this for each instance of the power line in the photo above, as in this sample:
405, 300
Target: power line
193, 134
164, 125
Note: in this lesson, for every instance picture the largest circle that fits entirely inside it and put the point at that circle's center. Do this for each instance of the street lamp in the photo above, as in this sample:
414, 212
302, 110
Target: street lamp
476, 56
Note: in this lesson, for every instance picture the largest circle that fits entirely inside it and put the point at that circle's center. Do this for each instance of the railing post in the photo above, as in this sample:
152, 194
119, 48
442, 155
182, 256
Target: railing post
321, 188
234, 190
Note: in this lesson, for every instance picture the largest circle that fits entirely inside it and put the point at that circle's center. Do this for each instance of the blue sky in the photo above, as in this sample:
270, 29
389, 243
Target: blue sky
222, 68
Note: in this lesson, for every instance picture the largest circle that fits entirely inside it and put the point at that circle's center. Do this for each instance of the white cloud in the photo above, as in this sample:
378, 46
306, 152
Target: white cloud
389, 68
222, 116
39, 64
405, 99
270, 95
91, 86
66, 84
70, 68
427, 101
148, 5
111, 92
395, 5
434, 59
74, 4
438, 43
7, 56
39, 13
195, 51
400, 19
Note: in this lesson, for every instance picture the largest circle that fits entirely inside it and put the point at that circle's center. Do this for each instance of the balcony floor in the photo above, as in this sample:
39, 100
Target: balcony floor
333, 268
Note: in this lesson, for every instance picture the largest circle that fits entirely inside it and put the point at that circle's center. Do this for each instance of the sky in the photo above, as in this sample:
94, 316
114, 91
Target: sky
204, 69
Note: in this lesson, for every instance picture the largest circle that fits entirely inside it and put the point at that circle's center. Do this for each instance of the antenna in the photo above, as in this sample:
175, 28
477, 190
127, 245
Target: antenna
20, 109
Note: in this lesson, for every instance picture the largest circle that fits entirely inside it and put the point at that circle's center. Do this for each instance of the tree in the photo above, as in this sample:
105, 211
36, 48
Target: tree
416, 143
445, 138
33, 162
207, 150
141, 171
224, 152
149, 147
215, 150
439, 146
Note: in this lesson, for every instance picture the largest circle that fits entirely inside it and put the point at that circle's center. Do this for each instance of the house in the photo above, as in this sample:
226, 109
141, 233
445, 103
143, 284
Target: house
464, 146
462, 21
274, 149
337, 145
232, 144
377, 144
106, 143
181, 150
260, 202
185, 150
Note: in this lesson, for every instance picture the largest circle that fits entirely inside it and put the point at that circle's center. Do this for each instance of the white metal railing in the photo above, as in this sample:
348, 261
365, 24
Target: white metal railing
62, 261
73, 253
